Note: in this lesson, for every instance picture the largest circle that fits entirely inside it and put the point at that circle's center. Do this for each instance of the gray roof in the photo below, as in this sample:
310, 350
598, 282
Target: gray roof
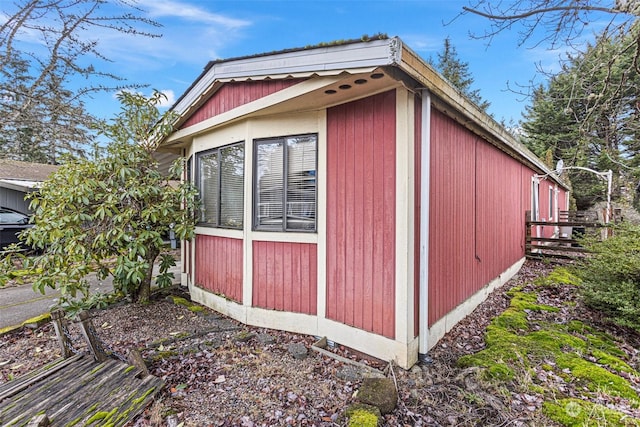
25, 171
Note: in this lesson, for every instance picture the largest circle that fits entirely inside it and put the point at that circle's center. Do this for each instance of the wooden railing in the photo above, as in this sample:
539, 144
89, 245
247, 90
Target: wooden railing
564, 242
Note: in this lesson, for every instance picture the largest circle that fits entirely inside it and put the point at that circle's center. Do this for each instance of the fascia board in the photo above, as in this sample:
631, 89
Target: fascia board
336, 57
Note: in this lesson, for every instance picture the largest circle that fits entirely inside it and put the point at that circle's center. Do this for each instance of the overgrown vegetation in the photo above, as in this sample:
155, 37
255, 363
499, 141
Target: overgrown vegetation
535, 348
611, 276
108, 215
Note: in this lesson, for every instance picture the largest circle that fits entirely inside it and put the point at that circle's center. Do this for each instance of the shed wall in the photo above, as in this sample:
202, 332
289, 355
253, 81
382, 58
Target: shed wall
218, 265
14, 199
361, 217
478, 197
230, 96
285, 276
452, 262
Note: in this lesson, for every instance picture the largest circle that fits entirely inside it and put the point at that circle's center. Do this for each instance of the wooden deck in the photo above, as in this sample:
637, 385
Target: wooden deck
78, 391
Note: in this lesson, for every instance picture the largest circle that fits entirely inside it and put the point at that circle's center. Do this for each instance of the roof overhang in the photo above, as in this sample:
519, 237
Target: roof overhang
20, 185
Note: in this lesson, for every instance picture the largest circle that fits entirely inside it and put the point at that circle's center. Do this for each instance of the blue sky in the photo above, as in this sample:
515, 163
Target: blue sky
196, 31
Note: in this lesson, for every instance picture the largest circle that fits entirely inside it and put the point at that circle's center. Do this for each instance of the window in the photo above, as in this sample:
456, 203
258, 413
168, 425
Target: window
551, 203
285, 186
221, 186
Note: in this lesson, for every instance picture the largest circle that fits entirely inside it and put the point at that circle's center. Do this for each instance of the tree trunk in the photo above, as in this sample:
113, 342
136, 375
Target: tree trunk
144, 291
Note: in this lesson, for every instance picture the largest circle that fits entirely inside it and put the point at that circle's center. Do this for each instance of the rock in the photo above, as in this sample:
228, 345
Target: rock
379, 392
297, 350
349, 373
244, 336
265, 339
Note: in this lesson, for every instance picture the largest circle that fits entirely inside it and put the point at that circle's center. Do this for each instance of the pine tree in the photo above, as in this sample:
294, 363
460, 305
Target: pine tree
457, 73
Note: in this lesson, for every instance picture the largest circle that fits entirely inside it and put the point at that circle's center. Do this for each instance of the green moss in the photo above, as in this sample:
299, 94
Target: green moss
97, 417
74, 422
529, 301
196, 308
181, 301
362, 415
613, 362
362, 418
559, 276
129, 369
513, 320
597, 378
580, 413
142, 398
96, 369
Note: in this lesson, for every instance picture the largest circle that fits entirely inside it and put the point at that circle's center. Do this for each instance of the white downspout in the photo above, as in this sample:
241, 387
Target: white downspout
425, 156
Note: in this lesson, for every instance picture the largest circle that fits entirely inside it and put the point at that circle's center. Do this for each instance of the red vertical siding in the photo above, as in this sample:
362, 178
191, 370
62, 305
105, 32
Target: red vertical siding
478, 197
285, 276
452, 260
232, 95
219, 265
500, 217
361, 214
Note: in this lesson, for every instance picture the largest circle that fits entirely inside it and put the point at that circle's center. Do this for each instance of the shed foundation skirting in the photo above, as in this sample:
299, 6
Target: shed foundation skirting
404, 354
446, 323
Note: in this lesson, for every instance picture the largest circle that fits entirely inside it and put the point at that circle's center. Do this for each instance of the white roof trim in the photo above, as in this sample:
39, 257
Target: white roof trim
300, 62
259, 104
20, 185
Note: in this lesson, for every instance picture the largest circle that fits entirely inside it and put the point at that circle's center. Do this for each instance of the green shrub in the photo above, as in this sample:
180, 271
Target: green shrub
611, 276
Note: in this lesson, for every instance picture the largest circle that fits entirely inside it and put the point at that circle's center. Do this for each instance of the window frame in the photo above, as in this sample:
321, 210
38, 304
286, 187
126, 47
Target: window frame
198, 176
283, 140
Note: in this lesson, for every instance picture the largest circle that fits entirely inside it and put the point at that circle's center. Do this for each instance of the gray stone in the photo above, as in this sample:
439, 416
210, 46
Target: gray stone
265, 339
379, 392
297, 350
349, 373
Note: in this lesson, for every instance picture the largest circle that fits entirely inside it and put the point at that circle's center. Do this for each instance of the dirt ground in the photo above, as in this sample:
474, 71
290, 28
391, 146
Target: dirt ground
219, 372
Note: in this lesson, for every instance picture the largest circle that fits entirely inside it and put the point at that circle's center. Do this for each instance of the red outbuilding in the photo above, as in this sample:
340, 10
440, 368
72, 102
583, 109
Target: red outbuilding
349, 191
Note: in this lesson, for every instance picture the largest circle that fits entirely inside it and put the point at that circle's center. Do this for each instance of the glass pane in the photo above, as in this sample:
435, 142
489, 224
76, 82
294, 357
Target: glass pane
209, 189
269, 187
301, 183
232, 185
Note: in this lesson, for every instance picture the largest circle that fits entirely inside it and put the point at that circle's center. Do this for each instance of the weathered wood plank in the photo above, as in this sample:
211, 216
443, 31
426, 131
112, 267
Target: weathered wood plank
556, 248
12, 387
110, 391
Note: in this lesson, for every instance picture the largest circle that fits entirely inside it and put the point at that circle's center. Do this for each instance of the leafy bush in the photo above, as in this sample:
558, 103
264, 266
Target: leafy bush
611, 276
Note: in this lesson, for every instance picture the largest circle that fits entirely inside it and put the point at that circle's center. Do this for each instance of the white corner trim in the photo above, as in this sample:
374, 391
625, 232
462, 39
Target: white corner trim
425, 166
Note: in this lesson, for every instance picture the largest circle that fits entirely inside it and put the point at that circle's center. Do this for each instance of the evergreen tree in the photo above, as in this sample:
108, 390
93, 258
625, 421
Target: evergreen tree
588, 116
42, 110
457, 73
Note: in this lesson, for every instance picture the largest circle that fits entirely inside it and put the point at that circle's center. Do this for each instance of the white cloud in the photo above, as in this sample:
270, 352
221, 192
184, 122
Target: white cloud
181, 10
170, 100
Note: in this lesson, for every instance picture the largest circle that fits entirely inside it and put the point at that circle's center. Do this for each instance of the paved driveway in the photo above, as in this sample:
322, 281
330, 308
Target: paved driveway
21, 303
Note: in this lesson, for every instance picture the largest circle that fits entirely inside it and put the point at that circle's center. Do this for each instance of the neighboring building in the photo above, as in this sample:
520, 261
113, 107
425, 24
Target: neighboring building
349, 191
17, 179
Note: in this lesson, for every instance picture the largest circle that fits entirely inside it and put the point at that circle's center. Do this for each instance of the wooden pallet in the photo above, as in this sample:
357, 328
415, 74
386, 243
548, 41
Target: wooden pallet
78, 391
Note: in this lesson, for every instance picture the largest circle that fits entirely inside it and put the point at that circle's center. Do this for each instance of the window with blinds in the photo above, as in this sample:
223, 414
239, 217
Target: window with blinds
221, 186
285, 187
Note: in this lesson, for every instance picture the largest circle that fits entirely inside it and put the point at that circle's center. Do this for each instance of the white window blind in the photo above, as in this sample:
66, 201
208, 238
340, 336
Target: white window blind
285, 189
221, 186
